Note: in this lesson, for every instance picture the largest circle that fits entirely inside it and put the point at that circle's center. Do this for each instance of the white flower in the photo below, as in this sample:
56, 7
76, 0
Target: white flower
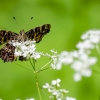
82, 67
55, 92
18, 53
58, 65
54, 58
63, 90
58, 94
23, 47
56, 82
70, 98
66, 57
49, 87
85, 45
92, 35
80, 60
77, 77
54, 52
35, 55
30, 99
26, 49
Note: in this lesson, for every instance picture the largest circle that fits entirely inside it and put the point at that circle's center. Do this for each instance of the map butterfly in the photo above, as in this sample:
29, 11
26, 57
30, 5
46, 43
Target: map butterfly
7, 52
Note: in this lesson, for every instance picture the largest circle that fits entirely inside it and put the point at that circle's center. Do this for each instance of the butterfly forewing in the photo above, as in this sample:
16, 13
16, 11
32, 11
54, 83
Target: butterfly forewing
38, 32
5, 36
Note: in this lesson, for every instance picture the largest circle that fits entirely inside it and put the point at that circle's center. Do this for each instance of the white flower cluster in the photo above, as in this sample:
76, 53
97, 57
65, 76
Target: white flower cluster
90, 39
54, 58
58, 94
26, 49
80, 60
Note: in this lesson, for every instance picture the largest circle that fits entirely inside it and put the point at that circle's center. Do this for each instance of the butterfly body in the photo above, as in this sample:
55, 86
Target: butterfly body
7, 52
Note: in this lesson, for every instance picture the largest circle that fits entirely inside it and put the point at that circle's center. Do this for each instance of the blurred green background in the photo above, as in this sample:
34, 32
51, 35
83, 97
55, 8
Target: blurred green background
69, 19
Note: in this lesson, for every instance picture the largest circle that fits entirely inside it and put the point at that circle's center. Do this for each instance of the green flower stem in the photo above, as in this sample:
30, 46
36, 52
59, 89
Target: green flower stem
36, 78
42, 69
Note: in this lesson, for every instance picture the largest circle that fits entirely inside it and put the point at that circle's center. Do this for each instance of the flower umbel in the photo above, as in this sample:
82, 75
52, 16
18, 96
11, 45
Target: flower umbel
80, 60
56, 82
26, 49
55, 92
54, 59
70, 98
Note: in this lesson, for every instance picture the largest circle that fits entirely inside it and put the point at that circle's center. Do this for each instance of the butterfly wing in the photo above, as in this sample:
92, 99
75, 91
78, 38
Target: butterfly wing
7, 53
5, 36
38, 32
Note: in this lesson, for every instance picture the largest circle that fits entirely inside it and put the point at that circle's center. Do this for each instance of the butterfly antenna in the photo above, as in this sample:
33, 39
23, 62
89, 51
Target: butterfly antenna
28, 22
16, 23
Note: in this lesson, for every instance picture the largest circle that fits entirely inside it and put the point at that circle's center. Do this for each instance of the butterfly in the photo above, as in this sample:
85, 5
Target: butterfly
7, 52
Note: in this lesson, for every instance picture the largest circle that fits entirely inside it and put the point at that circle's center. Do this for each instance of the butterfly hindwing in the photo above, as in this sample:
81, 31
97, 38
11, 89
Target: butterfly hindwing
7, 53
